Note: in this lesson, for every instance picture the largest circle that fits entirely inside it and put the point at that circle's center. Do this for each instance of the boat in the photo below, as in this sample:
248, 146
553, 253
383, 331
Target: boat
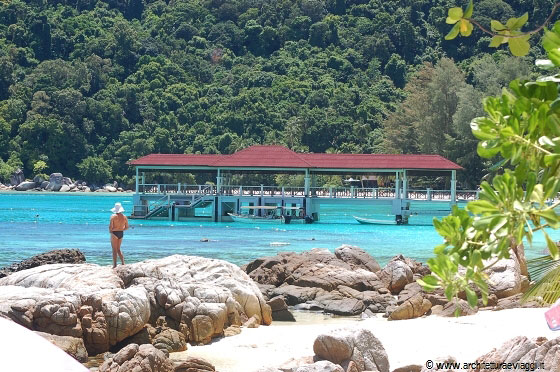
371, 221
273, 215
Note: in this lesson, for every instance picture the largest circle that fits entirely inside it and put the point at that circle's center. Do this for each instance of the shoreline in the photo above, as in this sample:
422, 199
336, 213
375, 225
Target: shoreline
66, 193
407, 342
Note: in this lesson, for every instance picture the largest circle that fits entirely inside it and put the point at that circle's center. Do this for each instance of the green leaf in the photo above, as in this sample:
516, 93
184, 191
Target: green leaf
455, 13
497, 26
451, 21
429, 282
497, 41
550, 217
552, 247
551, 159
449, 292
472, 298
469, 11
519, 46
516, 23
453, 33
481, 206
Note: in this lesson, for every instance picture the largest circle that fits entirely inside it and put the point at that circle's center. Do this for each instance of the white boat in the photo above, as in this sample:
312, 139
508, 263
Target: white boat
371, 221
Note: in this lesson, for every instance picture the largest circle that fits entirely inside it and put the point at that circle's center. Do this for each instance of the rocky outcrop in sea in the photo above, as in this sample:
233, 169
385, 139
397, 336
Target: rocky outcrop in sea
165, 302
57, 256
58, 183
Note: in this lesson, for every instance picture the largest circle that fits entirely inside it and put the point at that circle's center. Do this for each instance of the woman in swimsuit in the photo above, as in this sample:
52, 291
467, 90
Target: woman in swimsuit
118, 224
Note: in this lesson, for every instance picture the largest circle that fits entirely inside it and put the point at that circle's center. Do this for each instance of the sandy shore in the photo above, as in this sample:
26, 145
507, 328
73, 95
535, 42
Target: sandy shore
407, 341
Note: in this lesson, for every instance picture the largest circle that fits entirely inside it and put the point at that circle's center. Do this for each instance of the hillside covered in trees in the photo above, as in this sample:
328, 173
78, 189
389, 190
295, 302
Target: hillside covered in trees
86, 85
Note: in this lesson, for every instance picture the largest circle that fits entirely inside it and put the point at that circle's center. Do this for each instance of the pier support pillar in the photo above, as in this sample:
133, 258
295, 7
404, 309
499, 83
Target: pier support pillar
397, 186
404, 186
453, 187
218, 182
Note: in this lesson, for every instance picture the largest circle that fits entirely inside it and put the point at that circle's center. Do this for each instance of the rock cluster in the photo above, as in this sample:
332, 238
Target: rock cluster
147, 358
51, 257
348, 282
545, 353
57, 182
351, 282
342, 350
165, 302
357, 348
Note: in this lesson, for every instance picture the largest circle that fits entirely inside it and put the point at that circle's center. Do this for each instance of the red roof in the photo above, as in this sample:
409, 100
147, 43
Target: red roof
281, 157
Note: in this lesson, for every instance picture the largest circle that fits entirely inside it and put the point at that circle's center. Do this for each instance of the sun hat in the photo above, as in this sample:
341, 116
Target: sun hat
117, 208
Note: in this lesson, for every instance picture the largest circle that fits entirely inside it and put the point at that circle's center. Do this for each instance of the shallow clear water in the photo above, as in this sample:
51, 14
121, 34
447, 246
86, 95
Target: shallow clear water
31, 223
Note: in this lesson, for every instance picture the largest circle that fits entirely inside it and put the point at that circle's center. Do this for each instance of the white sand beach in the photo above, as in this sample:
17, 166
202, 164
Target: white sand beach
406, 341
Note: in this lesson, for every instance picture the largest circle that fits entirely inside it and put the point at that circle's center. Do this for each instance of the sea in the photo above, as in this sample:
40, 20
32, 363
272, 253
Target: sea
32, 223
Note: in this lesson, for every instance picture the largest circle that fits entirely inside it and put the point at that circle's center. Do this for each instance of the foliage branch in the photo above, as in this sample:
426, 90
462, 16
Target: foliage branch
510, 33
522, 126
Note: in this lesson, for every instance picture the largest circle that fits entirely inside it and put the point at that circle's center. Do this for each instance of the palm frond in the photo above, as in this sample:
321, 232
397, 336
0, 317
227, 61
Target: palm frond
545, 271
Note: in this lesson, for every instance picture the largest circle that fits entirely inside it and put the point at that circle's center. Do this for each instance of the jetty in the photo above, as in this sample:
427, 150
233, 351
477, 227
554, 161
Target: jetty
374, 180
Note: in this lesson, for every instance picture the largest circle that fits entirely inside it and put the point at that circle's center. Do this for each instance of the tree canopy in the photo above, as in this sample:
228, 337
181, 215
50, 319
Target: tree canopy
117, 80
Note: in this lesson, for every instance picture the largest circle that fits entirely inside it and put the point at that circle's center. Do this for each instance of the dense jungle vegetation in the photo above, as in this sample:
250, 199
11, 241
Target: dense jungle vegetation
86, 85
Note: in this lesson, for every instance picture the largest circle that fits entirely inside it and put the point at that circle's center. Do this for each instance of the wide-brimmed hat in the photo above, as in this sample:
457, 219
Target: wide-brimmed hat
117, 208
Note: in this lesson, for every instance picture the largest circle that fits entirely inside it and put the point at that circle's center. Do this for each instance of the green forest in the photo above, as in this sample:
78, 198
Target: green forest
86, 85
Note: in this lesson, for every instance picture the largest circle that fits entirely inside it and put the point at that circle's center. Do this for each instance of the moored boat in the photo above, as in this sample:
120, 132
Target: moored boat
271, 215
371, 221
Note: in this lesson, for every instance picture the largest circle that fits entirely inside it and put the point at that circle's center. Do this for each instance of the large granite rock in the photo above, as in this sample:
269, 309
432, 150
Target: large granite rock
143, 358
321, 366
280, 310
396, 275
359, 346
505, 278
51, 257
192, 364
414, 307
318, 279
357, 258
194, 296
17, 177
55, 182
25, 186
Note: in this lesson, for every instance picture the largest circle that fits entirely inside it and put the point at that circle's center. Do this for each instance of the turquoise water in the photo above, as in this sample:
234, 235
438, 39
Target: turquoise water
31, 223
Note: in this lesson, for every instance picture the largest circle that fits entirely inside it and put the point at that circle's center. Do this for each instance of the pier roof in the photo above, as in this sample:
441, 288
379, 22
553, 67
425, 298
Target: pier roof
273, 156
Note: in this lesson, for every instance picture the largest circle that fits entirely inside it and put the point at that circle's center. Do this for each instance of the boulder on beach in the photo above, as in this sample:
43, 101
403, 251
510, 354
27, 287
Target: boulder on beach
26, 186
539, 351
194, 296
17, 177
357, 258
321, 280
192, 364
55, 182
359, 346
414, 307
51, 257
505, 278
138, 358
396, 275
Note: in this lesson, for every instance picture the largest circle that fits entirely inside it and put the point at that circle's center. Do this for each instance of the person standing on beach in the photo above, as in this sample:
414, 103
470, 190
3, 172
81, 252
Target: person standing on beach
117, 226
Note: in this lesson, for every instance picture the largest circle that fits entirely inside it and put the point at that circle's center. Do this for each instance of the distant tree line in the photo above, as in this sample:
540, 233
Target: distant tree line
86, 85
